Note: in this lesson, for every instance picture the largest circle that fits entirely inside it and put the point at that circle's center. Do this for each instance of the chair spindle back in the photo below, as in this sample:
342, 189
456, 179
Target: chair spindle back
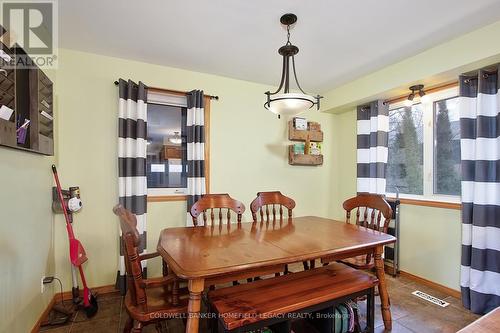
370, 209
266, 203
216, 208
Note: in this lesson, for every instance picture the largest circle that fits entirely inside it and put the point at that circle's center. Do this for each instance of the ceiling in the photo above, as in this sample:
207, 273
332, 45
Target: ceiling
339, 40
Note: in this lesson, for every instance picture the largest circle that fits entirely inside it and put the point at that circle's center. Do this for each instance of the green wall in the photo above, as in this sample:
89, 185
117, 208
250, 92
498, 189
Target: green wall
26, 237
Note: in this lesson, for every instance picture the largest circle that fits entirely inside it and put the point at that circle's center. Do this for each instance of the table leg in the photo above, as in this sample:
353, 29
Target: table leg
382, 288
195, 289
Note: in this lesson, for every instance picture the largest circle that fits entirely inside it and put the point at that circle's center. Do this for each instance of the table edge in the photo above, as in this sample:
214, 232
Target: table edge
189, 275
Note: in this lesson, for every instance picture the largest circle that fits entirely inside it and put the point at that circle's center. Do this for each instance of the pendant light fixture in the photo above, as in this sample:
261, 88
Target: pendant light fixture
176, 139
282, 101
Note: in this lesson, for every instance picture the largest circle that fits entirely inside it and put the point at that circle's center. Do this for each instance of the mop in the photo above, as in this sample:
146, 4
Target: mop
77, 254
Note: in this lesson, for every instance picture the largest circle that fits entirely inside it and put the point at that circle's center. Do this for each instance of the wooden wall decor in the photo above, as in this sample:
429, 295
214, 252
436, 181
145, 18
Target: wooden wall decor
29, 93
306, 136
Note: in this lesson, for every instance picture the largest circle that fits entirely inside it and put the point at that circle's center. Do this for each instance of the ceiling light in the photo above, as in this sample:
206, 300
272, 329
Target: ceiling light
176, 139
416, 89
282, 101
424, 98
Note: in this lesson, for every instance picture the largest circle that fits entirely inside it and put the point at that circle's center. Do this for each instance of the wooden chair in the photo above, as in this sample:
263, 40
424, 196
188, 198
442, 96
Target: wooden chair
265, 204
147, 301
370, 208
215, 204
265, 200
219, 206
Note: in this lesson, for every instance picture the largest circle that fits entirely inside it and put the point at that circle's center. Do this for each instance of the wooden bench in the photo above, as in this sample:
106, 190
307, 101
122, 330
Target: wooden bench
276, 300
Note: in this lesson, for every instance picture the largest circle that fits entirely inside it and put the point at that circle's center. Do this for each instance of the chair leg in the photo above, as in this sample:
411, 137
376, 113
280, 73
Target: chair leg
137, 327
161, 326
128, 325
306, 265
312, 264
164, 268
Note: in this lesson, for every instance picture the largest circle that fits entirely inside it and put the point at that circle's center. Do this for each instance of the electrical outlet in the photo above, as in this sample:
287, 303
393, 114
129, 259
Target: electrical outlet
42, 286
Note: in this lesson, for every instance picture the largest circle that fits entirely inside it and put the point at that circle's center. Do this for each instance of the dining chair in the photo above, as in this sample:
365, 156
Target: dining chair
270, 204
266, 200
218, 207
370, 210
148, 301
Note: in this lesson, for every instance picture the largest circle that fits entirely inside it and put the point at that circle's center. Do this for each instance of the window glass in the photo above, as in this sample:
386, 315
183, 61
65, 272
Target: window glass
166, 146
446, 147
406, 156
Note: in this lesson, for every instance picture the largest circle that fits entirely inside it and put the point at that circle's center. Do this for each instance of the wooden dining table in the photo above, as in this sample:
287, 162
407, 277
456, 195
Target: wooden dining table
206, 254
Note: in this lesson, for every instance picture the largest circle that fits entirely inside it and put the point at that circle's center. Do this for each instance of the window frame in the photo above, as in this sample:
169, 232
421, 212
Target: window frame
429, 198
179, 98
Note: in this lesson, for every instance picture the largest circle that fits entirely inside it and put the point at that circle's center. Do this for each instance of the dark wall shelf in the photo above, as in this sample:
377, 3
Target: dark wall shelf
29, 93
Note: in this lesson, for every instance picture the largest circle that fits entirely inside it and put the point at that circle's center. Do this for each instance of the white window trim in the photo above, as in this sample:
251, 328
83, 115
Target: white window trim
171, 100
428, 173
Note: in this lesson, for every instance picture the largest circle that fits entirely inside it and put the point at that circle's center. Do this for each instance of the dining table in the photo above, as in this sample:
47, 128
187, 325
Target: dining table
203, 255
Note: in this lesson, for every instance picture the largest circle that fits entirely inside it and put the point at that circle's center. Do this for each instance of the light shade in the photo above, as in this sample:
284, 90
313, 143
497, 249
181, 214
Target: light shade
290, 104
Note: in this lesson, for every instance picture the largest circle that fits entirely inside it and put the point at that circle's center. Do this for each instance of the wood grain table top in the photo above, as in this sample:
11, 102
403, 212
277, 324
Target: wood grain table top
201, 252
489, 323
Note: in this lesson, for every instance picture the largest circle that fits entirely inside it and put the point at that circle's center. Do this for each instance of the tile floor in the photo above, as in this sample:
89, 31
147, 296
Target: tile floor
409, 313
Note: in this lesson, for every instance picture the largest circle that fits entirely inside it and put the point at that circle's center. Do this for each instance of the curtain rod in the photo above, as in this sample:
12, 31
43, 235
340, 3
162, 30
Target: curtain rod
427, 91
171, 91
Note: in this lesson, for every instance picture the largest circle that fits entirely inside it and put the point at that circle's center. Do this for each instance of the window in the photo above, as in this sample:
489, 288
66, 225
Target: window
166, 149
166, 160
424, 148
446, 147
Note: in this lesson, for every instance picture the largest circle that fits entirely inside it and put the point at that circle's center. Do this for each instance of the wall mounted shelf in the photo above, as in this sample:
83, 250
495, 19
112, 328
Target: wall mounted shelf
303, 159
305, 136
301, 135
28, 92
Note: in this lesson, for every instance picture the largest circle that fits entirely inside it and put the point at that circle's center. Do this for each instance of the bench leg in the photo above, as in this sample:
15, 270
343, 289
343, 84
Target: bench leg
370, 311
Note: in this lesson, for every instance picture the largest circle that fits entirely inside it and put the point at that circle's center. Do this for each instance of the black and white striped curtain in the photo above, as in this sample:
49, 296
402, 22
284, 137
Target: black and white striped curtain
373, 128
480, 149
132, 143
195, 133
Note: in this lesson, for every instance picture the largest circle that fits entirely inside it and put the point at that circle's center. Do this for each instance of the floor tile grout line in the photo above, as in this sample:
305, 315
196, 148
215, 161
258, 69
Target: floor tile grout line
409, 329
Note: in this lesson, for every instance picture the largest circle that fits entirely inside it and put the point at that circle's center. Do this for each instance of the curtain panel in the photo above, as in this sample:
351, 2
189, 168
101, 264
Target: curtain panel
195, 134
479, 104
372, 147
132, 179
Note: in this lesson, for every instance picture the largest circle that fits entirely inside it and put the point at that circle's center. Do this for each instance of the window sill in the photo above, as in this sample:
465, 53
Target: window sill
162, 198
429, 203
